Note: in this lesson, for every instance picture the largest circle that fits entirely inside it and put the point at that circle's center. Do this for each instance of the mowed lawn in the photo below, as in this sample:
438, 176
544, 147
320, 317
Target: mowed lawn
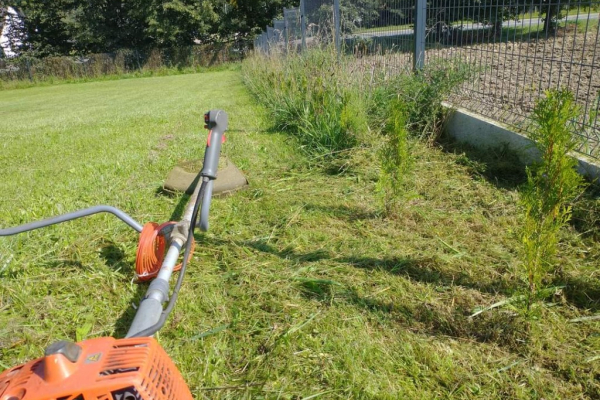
303, 288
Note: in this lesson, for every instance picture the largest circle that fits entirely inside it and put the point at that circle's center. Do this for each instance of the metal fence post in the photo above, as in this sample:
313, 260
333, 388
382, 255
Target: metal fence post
286, 35
29, 71
269, 39
303, 24
336, 21
420, 26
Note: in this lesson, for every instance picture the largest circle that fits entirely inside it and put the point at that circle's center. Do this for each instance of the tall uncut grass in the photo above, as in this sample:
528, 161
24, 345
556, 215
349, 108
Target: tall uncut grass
312, 96
330, 103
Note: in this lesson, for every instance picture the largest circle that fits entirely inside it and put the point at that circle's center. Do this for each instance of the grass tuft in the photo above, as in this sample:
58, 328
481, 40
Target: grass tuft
306, 97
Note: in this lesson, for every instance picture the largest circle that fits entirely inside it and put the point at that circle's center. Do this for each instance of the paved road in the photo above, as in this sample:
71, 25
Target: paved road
506, 24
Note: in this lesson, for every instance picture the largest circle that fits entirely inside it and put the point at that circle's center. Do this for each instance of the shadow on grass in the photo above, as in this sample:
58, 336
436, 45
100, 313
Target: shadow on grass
287, 253
582, 292
62, 264
500, 327
181, 204
448, 316
499, 166
426, 270
123, 323
345, 212
507, 329
114, 257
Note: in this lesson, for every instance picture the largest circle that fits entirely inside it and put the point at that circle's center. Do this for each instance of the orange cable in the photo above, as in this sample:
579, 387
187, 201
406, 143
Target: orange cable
151, 251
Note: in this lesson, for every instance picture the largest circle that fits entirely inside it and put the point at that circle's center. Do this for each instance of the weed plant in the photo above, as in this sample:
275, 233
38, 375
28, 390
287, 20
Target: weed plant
552, 185
422, 95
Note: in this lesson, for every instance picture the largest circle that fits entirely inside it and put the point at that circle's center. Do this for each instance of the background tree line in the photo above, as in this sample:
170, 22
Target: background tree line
67, 27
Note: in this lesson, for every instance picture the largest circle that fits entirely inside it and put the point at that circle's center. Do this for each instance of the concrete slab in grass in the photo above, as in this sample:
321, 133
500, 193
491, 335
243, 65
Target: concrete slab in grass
182, 177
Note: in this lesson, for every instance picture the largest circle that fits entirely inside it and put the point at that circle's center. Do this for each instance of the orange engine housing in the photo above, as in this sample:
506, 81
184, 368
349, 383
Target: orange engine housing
105, 369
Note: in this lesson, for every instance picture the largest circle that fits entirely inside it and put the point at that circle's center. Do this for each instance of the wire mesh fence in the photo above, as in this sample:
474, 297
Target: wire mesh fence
293, 27
522, 50
517, 49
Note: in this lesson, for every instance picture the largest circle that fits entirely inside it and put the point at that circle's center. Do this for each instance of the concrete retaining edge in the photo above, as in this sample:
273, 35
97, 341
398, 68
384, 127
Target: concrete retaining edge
484, 133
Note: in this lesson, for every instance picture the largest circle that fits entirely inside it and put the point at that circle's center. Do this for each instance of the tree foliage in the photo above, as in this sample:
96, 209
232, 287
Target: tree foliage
63, 27
244, 18
12, 28
45, 26
179, 22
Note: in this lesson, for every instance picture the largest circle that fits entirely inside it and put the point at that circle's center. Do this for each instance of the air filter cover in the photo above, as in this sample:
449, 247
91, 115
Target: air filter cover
104, 369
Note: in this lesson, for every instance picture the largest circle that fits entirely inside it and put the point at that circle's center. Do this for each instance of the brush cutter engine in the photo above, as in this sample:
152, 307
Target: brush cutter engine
137, 367
98, 369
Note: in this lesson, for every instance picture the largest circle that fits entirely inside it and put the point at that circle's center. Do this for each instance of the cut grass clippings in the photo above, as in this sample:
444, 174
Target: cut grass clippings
302, 288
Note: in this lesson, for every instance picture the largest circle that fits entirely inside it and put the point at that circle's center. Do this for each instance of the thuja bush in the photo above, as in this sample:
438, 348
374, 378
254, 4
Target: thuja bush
394, 155
552, 185
309, 95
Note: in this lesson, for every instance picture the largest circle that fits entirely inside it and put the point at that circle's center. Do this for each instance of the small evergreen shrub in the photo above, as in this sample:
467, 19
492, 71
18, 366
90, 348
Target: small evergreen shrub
396, 160
552, 185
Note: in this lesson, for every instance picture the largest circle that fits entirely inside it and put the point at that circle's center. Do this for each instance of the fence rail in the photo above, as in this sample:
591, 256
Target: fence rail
518, 48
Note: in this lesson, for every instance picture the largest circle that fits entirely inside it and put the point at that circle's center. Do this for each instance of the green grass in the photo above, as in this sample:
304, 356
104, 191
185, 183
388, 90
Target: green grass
43, 80
582, 26
302, 288
536, 31
385, 28
582, 11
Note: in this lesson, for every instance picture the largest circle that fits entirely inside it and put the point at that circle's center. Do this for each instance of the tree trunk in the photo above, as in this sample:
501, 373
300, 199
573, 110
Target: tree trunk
497, 29
550, 20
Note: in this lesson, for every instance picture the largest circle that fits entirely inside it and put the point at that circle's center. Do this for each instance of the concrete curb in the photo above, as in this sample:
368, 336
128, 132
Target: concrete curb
484, 133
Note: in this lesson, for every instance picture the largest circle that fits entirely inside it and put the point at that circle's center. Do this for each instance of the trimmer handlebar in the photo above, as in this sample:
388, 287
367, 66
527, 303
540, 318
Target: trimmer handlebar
150, 315
216, 122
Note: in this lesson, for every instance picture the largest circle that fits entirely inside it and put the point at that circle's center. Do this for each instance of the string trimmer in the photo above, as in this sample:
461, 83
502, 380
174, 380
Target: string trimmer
135, 367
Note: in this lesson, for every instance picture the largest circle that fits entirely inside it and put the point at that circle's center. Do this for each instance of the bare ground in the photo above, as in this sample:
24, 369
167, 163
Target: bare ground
514, 75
